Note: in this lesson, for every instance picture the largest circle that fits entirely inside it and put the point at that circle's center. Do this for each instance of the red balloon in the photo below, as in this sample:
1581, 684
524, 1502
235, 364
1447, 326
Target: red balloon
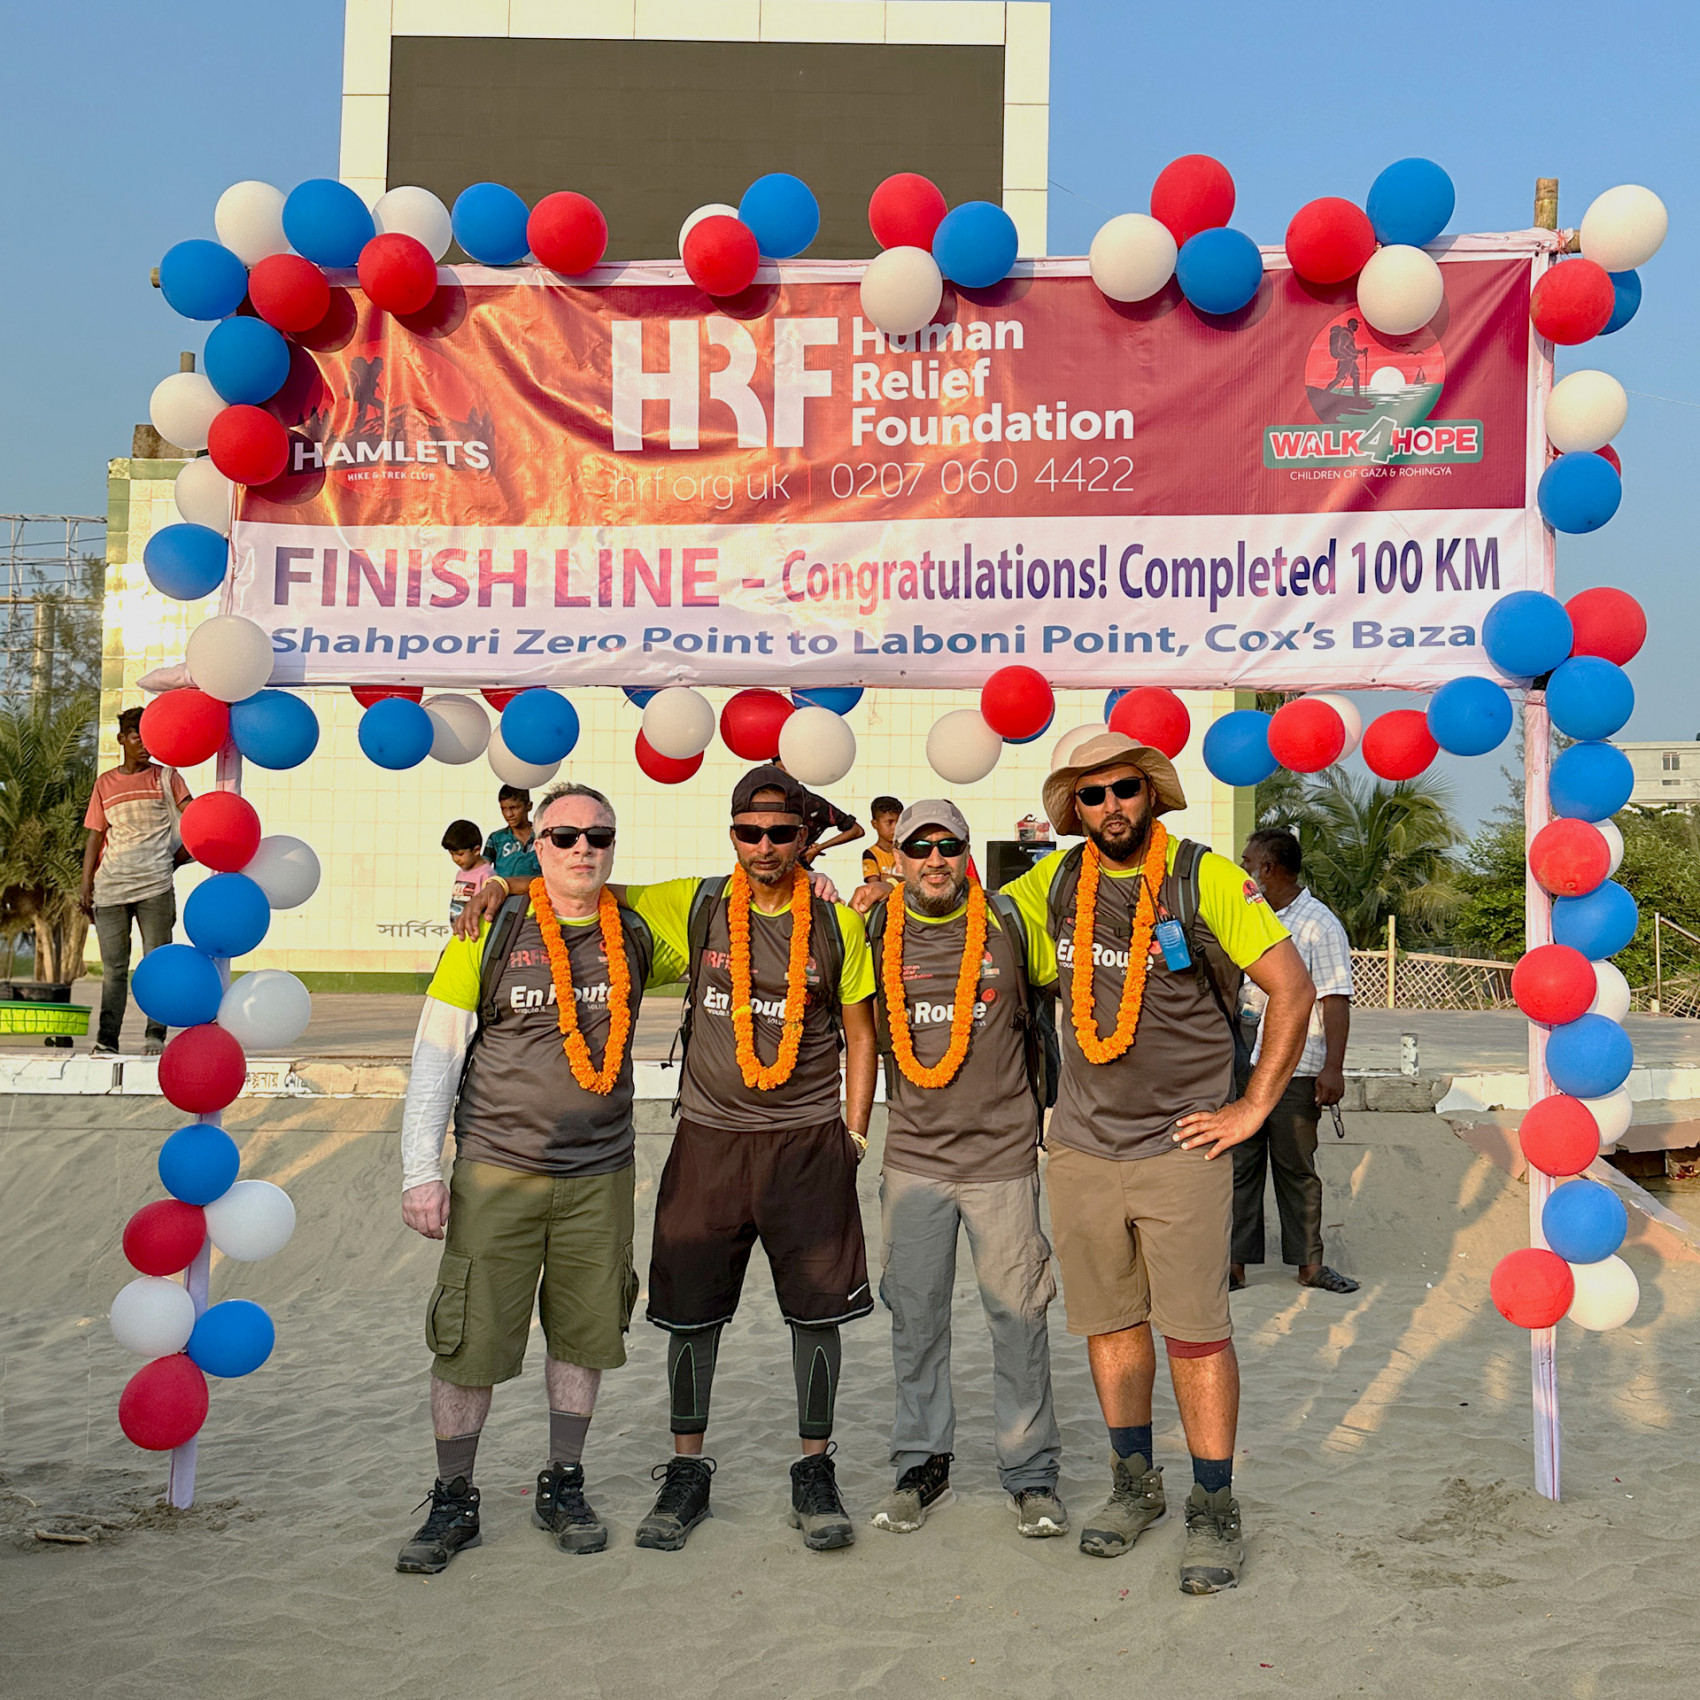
163, 1237
1398, 745
164, 1403
202, 1069
1608, 623
721, 255
567, 232
498, 699
1329, 240
221, 830
184, 728
1532, 1287
1154, 716
1569, 857
1306, 735
1016, 702
1572, 301
1608, 453
1560, 1136
1553, 984
366, 695
397, 272
1191, 194
905, 211
750, 723
248, 445
664, 770
289, 293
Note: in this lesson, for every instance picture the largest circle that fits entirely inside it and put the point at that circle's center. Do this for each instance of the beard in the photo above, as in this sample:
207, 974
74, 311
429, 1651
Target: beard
935, 905
775, 867
1121, 838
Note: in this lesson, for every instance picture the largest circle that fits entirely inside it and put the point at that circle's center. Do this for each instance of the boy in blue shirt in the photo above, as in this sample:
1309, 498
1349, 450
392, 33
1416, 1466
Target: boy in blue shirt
512, 848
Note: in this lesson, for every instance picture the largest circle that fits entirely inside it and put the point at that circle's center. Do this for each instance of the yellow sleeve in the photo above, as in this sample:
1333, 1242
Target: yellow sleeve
666, 907
1031, 895
856, 979
456, 979
667, 965
1235, 911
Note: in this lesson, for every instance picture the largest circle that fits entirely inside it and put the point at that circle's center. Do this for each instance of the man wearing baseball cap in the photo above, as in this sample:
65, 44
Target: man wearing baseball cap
1141, 1205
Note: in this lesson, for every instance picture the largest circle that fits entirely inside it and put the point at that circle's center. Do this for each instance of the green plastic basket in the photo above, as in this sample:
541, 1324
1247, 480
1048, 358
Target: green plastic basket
70, 1018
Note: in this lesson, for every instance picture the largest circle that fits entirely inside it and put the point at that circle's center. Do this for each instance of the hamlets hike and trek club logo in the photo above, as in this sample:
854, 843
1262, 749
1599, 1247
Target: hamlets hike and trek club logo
1372, 397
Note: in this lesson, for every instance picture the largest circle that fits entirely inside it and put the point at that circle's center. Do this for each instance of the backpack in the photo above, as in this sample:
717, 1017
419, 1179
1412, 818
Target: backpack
499, 943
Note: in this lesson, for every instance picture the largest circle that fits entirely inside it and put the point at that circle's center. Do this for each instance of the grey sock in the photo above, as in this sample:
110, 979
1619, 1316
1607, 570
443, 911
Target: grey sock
567, 1430
455, 1456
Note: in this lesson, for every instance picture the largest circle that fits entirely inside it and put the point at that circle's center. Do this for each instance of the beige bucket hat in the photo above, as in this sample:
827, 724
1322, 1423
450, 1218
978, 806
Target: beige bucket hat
1109, 749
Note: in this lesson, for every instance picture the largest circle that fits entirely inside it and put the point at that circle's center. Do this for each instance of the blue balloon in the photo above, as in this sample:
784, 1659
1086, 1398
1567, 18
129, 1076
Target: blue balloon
1410, 202
840, 699
274, 729
185, 561
198, 1163
490, 224
178, 986
1590, 697
782, 212
1626, 288
227, 915
639, 694
1236, 748
326, 222
202, 280
1527, 633
1589, 1057
232, 1338
1583, 1221
1579, 492
1034, 737
1599, 924
246, 360
1111, 698
975, 244
1219, 270
1469, 717
1590, 782
540, 726
396, 733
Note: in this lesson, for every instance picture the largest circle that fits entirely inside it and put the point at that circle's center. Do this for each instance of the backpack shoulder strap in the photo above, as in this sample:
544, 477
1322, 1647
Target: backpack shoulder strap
1014, 929
1188, 854
640, 945
703, 900
498, 943
1063, 887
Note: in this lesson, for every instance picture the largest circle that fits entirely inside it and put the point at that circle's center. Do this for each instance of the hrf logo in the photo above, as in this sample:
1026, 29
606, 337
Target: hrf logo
679, 384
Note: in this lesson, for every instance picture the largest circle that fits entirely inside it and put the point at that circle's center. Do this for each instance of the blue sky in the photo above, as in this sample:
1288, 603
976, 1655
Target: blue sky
123, 123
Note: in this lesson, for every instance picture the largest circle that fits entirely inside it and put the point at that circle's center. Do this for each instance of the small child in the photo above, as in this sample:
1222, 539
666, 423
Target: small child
513, 848
464, 843
879, 860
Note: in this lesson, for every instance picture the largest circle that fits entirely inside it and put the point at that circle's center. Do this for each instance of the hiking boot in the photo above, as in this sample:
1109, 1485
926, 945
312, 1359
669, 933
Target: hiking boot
453, 1524
1214, 1551
919, 1490
560, 1507
1135, 1503
816, 1508
681, 1504
1038, 1513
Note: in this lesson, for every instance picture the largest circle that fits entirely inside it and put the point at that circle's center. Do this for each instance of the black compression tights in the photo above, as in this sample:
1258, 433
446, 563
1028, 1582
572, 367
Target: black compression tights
816, 1358
690, 1376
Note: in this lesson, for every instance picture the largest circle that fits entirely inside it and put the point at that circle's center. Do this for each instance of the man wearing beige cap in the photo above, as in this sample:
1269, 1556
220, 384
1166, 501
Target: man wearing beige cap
1140, 1205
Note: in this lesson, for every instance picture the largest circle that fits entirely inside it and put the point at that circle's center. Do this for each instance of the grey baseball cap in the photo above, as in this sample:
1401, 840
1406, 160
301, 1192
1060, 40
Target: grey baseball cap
930, 811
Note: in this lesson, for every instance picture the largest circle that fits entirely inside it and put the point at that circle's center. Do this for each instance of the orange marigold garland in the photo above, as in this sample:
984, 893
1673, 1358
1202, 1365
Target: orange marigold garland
1081, 1002
760, 1076
947, 1067
600, 1081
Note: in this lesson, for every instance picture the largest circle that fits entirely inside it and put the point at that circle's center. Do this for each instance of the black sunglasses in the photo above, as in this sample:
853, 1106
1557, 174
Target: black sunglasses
565, 837
774, 834
1093, 795
921, 848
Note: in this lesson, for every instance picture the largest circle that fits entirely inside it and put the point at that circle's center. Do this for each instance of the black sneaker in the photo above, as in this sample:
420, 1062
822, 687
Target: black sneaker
561, 1508
919, 1490
681, 1504
816, 1508
453, 1524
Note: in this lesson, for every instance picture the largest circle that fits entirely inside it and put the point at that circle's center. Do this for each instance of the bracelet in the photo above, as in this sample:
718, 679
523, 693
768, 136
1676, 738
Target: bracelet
860, 1139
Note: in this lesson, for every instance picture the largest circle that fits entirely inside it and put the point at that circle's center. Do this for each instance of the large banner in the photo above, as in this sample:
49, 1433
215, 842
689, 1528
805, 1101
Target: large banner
626, 484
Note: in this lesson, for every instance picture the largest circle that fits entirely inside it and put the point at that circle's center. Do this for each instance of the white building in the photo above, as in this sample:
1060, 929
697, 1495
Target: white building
1665, 773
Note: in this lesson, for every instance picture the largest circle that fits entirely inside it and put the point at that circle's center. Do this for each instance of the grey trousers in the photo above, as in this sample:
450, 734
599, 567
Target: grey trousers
1286, 1142
155, 916
1012, 1262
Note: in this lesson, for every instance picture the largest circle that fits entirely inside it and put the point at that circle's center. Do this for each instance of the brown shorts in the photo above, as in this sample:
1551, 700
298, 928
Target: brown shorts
1143, 1241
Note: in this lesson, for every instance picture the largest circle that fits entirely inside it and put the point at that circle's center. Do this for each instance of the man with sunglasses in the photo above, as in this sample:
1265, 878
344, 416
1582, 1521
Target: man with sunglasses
1141, 1206
514, 1045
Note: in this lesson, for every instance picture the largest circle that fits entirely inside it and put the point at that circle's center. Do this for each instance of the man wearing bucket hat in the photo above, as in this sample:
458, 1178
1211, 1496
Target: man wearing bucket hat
1140, 1205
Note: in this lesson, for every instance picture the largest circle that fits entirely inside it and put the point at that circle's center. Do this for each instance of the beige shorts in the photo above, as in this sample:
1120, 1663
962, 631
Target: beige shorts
1143, 1241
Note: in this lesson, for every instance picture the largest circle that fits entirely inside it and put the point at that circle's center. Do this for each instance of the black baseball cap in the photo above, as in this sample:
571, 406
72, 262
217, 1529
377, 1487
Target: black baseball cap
769, 778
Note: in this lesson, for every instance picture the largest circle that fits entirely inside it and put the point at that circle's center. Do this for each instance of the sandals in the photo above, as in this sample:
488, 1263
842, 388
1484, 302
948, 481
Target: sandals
1331, 1281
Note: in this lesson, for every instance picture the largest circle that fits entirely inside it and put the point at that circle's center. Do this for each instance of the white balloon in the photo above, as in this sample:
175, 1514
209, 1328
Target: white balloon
1069, 742
962, 748
817, 746
1624, 227
229, 657
1607, 1294
1608, 830
1348, 712
416, 213
1132, 257
460, 729
678, 722
183, 407
1611, 995
249, 221
1387, 380
252, 1221
901, 290
204, 496
1585, 411
1400, 289
153, 1316
286, 869
265, 1010
714, 209
507, 767
1612, 1114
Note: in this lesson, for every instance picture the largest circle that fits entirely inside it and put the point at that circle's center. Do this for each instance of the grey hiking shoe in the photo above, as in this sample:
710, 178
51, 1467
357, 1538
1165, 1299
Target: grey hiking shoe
919, 1491
816, 1507
561, 1508
1214, 1551
1039, 1513
453, 1524
1136, 1502
681, 1504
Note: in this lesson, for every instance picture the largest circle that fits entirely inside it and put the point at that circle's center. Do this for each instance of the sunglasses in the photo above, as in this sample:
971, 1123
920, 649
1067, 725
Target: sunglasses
1093, 795
566, 837
773, 834
919, 849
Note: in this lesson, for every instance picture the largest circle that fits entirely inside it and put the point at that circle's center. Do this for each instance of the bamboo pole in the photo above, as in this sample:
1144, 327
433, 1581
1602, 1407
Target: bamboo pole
1392, 955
